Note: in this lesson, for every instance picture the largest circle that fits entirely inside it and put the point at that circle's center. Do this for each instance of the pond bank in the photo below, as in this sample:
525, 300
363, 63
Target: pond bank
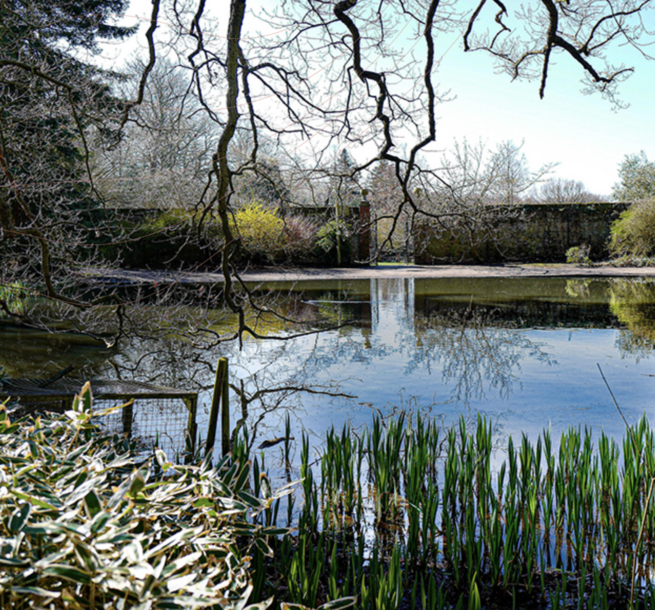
288, 274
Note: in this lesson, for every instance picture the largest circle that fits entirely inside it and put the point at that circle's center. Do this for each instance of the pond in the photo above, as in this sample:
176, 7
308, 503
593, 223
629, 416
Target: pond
524, 352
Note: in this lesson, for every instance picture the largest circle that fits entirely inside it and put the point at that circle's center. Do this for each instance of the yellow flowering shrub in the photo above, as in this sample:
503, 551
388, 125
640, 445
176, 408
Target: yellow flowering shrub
261, 231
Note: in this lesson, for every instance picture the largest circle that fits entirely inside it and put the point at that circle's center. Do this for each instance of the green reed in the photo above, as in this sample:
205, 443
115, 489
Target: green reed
409, 515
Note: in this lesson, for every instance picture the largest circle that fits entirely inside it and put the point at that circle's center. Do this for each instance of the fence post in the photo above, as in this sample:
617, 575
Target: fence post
225, 413
220, 401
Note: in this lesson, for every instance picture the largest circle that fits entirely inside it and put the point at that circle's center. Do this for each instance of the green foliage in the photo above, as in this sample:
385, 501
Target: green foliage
633, 234
637, 176
627, 260
261, 231
55, 103
579, 255
86, 526
408, 515
16, 296
402, 515
47, 36
170, 239
632, 304
330, 238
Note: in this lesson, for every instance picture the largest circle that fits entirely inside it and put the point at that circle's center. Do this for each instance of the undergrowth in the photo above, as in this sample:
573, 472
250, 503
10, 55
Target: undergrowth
403, 515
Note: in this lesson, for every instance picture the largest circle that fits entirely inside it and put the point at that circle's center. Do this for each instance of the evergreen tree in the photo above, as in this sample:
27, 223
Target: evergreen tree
50, 97
343, 189
53, 103
385, 193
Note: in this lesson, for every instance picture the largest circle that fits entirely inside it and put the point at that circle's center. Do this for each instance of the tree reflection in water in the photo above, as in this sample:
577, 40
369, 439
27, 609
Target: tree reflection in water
474, 354
437, 347
632, 301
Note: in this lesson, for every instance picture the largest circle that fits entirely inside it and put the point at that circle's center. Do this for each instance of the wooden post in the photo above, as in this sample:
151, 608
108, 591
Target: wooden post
337, 219
225, 413
128, 419
220, 401
364, 228
191, 403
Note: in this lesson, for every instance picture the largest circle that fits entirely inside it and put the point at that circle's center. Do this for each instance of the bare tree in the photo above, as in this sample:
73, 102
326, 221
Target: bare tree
353, 103
319, 74
560, 190
510, 175
164, 154
585, 34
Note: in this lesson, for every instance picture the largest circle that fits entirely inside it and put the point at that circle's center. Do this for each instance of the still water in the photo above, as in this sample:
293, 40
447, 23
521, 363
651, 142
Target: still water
524, 352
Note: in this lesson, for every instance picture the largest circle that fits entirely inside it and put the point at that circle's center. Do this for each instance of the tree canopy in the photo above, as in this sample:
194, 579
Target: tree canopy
51, 102
560, 190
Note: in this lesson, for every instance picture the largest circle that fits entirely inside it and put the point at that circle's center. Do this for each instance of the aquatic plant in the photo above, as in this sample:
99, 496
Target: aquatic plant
406, 515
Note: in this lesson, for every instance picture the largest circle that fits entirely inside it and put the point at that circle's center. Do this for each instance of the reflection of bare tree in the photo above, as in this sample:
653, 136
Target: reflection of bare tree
474, 354
173, 336
268, 379
258, 401
475, 351
632, 301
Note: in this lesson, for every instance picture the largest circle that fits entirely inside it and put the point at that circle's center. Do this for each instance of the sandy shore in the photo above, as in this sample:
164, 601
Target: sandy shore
285, 274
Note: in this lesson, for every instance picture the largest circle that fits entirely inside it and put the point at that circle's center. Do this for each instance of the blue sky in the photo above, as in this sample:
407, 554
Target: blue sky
582, 133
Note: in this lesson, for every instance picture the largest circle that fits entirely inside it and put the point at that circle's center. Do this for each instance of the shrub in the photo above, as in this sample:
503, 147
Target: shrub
168, 239
627, 260
300, 237
633, 234
579, 255
333, 236
85, 526
261, 231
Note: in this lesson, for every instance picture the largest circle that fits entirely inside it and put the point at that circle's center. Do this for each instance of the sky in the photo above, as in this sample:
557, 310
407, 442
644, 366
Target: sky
581, 133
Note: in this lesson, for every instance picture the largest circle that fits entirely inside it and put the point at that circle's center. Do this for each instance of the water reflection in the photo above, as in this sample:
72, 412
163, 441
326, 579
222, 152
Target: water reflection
474, 354
633, 303
32, 353
522, 351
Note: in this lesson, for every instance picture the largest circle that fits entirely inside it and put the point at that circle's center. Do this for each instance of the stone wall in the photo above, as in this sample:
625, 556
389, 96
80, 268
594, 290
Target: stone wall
180, 247
523, 233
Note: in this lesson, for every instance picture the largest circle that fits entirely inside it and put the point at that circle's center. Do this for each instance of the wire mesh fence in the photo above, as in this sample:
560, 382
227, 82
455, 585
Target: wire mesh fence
159, 416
